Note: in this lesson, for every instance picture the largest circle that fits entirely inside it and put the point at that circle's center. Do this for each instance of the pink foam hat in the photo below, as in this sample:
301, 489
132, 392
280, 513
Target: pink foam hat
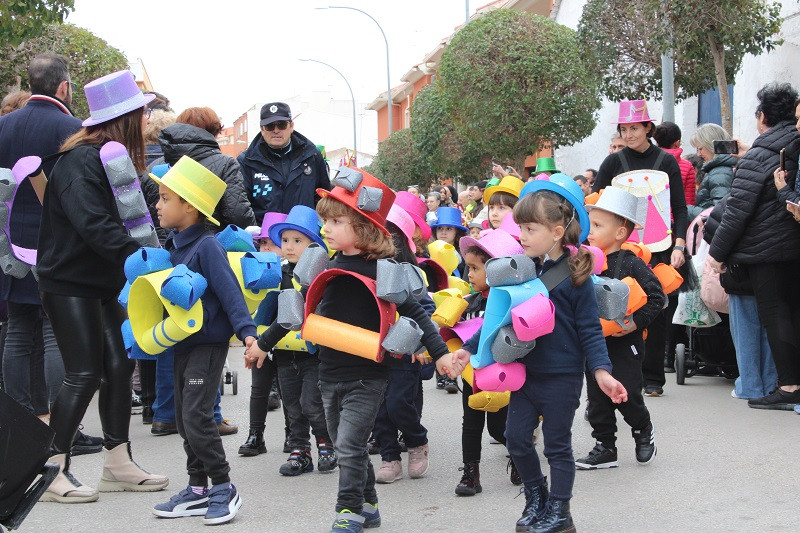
416, 209
112, 96
270, 219
534, 318
495, 242
632, 111
508, 225
500, 377
400, 218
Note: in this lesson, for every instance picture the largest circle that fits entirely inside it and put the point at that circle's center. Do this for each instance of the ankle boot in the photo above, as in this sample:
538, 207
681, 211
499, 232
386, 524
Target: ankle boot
470, 483
557, 519
120, 473
535, 506
254, 444
65, 488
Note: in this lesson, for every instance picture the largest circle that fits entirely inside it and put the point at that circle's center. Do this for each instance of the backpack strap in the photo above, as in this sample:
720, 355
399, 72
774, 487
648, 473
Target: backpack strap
555, 275
623, 160
659, 159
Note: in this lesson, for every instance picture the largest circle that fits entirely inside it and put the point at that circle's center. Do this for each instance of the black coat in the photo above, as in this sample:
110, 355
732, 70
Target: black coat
37, 129
178, 140
270, 189
755, 225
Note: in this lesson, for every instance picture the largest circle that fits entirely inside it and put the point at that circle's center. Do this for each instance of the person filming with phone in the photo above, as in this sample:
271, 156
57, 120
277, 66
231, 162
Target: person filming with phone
717, 167
757, 233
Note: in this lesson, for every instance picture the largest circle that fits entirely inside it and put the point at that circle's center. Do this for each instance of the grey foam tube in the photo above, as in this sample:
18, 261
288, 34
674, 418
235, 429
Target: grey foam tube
507, 348
290, 309
511, 270
403, 337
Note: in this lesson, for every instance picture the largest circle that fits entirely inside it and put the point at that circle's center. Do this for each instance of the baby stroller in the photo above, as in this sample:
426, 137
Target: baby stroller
229, 377
708, 351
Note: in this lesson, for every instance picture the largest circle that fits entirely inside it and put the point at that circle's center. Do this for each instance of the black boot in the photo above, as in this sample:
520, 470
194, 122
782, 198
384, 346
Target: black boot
254, 444
556, 519
274, 400
515, 479
535, 506
470, 483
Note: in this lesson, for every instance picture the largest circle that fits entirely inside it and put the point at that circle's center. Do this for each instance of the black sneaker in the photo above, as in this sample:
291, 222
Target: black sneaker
326, 460
645, 444
599, 457
147, 415
440, 382
653, 391
373, 447
299, 462
450, 385
403, 446
778, 400
85, 444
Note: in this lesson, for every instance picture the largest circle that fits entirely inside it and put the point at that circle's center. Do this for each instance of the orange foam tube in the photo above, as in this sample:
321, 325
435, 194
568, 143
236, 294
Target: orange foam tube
343, 337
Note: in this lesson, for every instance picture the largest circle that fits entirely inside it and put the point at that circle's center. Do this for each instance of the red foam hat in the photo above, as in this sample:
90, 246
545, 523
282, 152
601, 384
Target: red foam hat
363, 193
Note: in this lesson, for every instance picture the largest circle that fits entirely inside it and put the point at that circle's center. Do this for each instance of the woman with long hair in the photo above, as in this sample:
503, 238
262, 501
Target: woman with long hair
83, 246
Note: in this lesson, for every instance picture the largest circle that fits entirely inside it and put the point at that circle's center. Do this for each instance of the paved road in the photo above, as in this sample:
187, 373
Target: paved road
720, 467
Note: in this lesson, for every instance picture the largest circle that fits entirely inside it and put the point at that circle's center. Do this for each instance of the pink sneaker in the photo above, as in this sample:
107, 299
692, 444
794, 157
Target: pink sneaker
390, 472
417, 461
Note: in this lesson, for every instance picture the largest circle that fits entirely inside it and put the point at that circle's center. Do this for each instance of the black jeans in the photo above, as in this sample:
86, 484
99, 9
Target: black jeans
259, 393
350, 410
32, 364
299, 383
90, 339
197, 376
399, 412
473, 423
147, 380
627, 362
555, 397
777, 290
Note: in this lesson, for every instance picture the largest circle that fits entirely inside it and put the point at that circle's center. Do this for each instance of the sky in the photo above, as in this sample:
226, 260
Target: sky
232, 54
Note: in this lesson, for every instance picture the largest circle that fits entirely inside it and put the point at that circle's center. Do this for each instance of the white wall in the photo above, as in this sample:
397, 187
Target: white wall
780, 65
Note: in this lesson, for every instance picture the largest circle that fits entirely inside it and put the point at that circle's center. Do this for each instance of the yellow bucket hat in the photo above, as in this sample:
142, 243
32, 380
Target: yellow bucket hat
194, 183
510, 184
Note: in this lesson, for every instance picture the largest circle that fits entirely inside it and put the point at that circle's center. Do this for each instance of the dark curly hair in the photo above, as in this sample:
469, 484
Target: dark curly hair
777, 102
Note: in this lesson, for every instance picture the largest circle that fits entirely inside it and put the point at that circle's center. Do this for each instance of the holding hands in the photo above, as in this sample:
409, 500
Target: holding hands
453, 364
253, 354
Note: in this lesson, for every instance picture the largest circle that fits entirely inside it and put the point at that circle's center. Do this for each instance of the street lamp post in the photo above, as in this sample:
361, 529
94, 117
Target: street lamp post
353, 98
388, 75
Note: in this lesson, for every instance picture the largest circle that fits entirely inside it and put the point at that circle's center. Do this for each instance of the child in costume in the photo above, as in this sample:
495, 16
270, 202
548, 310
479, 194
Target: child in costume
297, 368
402, 404
475, 229
613, 218
188, 194
448, 228
494, 243
501, 199
262, 240
551, 216
353, 387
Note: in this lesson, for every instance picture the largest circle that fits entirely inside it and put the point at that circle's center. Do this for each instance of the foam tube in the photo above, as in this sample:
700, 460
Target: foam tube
449, 311
347, 338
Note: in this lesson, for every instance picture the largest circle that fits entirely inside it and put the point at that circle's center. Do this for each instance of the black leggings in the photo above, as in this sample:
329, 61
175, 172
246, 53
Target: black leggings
473, 424
259, 393
90, 340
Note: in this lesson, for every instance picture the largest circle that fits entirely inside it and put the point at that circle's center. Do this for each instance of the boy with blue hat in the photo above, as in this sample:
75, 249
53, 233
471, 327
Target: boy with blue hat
613, 218
298, 370
188, 194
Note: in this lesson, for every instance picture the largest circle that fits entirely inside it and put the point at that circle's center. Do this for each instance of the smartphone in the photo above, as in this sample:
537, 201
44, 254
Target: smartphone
792, 203
726, 147
783, 159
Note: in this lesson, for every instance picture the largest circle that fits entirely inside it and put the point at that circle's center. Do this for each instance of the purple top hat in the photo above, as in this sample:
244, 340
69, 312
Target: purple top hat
632, 111
112, 96
270, 219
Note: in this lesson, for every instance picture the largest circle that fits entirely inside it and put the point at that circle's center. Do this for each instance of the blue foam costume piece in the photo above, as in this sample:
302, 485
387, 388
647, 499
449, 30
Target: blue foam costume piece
498, 314
261, 270
235, 239
124, 294
133, 350
183, 287
146, 261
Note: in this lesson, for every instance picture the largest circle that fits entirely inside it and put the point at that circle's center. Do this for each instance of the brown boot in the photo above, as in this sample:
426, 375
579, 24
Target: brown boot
120, 473
65, 488
470, 483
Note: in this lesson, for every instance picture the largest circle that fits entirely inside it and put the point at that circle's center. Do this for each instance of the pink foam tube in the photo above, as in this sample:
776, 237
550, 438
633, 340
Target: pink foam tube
500, 377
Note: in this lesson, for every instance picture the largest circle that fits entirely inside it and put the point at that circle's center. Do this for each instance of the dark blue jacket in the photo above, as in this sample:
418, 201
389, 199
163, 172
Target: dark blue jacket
576, 342
224, 310
37, 129
269, 188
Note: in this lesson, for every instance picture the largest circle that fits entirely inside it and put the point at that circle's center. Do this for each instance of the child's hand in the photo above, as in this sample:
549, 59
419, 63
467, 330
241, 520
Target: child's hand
421, 358
610, 386
254, 354
626, 331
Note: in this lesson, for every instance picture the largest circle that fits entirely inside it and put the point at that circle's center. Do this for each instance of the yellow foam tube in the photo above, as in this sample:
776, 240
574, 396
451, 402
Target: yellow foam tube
343, 337
468, 375
146, 307
449, 311
442, 295
460, 285
490, 402
445, 254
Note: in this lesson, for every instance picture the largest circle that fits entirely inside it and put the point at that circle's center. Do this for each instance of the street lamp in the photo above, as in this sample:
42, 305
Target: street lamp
353, 98
388, 75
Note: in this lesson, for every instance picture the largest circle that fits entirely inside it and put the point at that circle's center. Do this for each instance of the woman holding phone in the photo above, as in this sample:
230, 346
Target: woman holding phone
757, 233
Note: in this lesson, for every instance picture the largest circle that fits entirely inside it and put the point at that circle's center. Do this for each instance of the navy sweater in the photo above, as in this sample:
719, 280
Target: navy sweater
577, 340
224, 310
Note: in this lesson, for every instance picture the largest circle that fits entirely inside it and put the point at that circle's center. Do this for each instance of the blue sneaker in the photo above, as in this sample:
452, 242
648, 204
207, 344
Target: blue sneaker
185, 503
372, 517
348, 522
223, 504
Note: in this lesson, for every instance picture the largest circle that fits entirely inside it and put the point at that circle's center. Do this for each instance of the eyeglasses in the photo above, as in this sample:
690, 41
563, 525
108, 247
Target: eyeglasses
281, 125
73, 85
147, 112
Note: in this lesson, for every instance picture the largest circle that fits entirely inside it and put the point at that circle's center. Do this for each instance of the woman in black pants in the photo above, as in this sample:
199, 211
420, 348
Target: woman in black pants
758, 233
83, 246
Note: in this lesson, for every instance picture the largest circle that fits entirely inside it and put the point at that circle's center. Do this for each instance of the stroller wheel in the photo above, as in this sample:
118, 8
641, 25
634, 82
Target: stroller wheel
222, 385
235, 382
680, 364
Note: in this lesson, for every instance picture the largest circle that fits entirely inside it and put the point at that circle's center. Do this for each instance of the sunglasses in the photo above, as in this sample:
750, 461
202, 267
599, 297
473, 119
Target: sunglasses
281, 125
